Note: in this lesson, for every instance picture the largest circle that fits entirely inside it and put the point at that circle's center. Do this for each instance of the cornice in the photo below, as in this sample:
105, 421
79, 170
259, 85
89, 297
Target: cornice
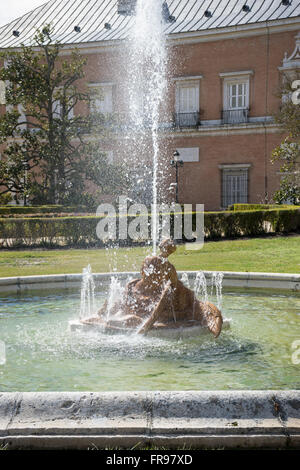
208, 35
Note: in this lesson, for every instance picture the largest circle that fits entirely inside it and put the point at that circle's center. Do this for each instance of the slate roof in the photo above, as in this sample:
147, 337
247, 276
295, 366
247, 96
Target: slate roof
92, 15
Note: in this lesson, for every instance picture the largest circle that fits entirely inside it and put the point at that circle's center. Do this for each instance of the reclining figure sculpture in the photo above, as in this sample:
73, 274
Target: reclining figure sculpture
159, 300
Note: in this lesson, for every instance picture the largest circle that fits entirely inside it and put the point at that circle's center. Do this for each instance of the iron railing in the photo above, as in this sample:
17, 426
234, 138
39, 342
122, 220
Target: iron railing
187, 119
235, 116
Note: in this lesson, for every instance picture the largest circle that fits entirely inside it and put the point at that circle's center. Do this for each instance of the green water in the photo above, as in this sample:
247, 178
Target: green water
43, 355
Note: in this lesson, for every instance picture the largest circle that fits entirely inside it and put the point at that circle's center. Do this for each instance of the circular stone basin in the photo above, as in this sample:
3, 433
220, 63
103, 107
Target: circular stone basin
43, 354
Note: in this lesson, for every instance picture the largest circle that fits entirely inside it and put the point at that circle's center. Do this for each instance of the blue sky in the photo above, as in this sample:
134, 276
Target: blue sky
16, 9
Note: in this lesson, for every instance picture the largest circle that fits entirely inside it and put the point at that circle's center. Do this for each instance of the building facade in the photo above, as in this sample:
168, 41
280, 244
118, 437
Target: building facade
227, 62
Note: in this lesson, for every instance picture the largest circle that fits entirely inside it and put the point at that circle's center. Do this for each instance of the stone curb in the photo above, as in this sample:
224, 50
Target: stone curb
81, 420
231, 279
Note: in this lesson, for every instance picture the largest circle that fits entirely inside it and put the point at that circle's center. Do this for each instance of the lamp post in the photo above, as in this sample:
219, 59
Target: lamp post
176, 162
26, 167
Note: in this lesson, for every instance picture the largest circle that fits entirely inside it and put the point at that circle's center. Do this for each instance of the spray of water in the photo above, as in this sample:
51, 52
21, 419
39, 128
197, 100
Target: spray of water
217, 281
185, 280
146, 65
115, 294
87, 300
200, 287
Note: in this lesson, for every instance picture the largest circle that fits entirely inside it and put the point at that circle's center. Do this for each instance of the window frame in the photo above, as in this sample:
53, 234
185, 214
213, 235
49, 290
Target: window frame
99, 87
57, 107
187, 82
230, 96
227, 97
235, 78
243, 170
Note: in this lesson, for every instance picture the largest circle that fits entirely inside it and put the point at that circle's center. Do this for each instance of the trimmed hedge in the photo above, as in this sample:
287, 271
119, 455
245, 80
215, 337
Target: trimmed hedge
49, 232
250, 223
81, 231
259, 207
49, 209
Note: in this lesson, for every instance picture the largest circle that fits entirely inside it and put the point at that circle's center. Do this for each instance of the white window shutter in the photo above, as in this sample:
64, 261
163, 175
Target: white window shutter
2, 92
107, 105
22, 118
110, 156
188, 99
56, 109
236, 95
104, 102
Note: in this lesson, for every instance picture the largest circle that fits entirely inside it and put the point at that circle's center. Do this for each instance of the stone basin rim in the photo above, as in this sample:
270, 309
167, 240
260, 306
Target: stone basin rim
285, 281
198, 419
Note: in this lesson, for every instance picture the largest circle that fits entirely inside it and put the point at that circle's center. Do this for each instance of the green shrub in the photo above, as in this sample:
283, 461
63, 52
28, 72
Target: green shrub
36, 210
259, 207
251, 223
5, 199
81, 230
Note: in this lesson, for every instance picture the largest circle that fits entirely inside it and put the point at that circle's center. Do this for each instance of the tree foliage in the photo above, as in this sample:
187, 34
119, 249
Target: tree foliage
51, 137
288, 152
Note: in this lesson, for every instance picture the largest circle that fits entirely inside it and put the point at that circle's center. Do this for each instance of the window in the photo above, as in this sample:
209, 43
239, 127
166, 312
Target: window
57, 107
140, 110
22, 117
234, 184
57, 110
110, 156
2, 92
188, 99
187, 102
235, 97
103, 99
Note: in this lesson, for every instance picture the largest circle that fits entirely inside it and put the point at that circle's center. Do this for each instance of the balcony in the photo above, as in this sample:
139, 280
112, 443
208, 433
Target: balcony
235, 116
187, 119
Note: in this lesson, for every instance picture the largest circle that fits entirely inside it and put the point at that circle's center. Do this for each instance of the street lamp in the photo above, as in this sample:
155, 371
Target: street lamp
26, 167
176, 163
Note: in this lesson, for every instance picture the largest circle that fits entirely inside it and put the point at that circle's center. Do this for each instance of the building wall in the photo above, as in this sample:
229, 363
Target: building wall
200, 182
251, 143
247, 143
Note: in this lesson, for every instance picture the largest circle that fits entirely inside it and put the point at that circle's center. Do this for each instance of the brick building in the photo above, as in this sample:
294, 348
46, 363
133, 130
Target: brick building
227, 57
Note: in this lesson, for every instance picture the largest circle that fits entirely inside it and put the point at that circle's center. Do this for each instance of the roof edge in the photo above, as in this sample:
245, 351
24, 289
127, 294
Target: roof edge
231, 32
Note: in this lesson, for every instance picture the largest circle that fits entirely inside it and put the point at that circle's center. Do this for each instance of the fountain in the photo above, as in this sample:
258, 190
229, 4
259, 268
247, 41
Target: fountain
158, 302
42, 355
145, 63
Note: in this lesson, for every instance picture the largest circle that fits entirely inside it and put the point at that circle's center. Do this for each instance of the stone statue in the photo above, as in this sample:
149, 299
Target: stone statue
159, 300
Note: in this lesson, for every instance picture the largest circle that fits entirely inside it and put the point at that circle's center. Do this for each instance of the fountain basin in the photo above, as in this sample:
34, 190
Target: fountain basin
176, 388
42, 353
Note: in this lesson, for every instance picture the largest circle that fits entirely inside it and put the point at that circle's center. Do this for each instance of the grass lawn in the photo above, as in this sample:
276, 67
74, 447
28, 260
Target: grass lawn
271, 254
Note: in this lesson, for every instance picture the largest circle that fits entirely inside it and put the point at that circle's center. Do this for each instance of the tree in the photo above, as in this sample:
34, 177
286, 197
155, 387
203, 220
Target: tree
288, 152
49, 153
